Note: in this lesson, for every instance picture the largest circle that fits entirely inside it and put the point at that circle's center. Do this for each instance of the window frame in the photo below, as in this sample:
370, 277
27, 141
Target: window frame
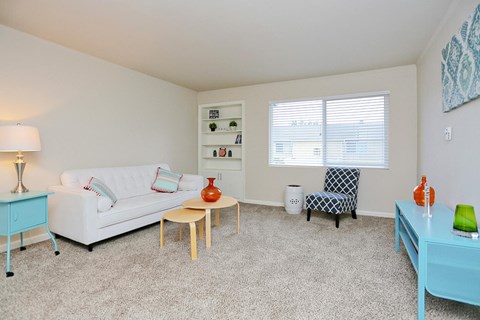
324, 151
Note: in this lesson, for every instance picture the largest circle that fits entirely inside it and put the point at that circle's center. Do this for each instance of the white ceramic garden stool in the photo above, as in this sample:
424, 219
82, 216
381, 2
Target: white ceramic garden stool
294, 198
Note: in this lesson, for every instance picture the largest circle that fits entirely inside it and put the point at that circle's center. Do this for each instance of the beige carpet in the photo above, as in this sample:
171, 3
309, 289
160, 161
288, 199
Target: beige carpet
279, 267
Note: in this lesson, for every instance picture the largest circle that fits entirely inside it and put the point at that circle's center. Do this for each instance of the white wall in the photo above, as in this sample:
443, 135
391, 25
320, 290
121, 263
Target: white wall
452, 167
378, 188
90, 113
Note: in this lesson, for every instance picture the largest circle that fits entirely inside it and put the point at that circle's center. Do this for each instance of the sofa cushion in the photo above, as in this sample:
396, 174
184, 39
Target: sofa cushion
190, 182
101, 189
166, 181
136, 207
125, 182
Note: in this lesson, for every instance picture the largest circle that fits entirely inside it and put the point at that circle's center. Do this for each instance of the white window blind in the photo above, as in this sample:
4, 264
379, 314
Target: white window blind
330, 132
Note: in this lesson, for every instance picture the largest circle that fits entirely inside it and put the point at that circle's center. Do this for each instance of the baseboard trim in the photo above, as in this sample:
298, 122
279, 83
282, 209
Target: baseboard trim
26, 241
376, 214
359, 212
264, 203
42, 237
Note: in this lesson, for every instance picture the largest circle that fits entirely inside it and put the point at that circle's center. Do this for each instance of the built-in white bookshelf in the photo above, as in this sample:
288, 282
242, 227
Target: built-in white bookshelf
228, 168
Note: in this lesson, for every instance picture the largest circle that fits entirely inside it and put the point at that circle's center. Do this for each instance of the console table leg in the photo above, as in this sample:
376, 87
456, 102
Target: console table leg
397, 229
9, 274
53, 240
422, 269
22, 247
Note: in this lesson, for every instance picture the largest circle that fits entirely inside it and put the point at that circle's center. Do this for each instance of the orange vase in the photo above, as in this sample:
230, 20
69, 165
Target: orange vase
419, 193
211, 193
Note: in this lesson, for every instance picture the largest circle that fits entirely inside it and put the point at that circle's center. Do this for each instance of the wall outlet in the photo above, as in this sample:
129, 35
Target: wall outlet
447, 134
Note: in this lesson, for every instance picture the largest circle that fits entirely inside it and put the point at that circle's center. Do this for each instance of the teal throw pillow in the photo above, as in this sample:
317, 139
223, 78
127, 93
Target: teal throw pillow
166, 181
101, 189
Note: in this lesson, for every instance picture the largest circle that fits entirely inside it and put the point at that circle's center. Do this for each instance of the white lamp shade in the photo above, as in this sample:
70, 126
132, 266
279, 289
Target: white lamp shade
19, 138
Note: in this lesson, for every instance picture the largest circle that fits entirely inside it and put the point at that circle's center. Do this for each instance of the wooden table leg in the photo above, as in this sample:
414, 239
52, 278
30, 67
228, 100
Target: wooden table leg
193, 240
208, 228
161, 233
180, 231
217, 217
238, 217
201, 226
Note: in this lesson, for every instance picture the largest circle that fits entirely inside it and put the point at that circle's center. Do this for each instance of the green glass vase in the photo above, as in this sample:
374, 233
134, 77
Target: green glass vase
465, 218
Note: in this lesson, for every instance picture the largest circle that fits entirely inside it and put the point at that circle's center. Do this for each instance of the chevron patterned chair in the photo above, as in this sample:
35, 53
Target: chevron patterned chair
339, 195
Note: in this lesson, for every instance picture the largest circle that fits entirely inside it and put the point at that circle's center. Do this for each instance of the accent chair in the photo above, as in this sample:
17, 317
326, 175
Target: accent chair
339, 194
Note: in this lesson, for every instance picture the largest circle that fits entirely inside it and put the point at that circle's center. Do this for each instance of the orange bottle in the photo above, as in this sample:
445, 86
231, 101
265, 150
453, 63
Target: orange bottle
419, 193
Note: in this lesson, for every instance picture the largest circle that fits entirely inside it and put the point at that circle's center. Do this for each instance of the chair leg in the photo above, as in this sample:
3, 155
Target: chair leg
337, 220
309, 211
354, 214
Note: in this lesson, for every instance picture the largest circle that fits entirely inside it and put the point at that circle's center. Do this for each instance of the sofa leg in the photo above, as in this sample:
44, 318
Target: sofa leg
354, 214
90, 247
309, 211
337, 220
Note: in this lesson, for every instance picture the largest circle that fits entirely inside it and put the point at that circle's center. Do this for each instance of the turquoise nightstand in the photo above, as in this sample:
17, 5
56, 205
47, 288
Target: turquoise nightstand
20, 212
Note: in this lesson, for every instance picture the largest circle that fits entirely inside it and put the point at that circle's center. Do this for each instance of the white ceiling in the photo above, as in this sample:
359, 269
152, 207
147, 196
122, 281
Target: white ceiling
213, 44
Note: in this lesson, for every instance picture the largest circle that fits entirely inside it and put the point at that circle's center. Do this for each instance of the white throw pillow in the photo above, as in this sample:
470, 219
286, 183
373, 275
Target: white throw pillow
104, 204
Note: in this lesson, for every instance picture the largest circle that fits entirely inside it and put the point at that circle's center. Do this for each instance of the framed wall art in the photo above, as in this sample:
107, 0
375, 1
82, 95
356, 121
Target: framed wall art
213, 114
461, 64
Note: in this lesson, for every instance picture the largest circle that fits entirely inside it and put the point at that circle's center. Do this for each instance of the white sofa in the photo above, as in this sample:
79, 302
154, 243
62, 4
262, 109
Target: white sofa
74, 212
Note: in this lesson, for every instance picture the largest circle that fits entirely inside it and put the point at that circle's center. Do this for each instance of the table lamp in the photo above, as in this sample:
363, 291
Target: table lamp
18, 139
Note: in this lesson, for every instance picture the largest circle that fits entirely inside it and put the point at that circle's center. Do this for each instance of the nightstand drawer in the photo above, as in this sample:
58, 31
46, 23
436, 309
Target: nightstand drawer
28, 214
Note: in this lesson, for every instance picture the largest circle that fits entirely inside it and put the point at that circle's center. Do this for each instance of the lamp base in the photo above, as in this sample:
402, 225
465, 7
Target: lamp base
20, 166
20, 188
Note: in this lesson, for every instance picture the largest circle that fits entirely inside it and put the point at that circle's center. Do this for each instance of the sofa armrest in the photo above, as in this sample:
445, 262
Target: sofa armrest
190, 182
73, 213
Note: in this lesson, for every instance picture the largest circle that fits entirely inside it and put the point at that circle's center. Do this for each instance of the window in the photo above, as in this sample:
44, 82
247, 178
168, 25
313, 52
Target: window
330, 132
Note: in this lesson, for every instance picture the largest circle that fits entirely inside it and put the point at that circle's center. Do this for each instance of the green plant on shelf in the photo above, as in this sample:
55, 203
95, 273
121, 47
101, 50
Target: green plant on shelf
212, 126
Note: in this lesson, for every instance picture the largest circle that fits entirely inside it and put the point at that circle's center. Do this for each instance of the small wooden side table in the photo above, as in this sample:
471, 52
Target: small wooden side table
20, 212
190, 216
223, 202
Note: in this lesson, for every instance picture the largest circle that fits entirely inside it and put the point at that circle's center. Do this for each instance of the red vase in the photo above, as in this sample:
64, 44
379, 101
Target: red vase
419, 193
211, 193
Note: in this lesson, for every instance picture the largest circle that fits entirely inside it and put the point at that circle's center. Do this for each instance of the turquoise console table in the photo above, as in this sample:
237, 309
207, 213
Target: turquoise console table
448, 266
20, 212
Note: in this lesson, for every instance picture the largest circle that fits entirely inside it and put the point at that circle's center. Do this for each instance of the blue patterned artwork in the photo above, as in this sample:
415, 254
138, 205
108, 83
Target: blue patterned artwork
461, 64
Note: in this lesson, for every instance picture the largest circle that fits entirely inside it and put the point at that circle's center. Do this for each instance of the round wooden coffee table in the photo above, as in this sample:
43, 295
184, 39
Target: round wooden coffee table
223, 202
190, 216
